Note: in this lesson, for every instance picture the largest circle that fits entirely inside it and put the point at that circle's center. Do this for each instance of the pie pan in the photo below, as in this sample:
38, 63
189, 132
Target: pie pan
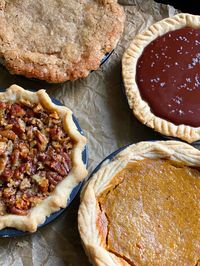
66, 42
160, 80
106, 57
11, 232
108, 215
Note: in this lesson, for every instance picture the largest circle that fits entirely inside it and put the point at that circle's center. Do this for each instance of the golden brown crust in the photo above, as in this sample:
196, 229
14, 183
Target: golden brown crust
59, 197
140, 108
65, 43
89, 209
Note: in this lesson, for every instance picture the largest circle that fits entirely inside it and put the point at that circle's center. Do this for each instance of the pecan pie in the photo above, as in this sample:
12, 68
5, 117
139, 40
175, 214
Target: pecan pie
40, 157
143, 207
57, 40
161, 76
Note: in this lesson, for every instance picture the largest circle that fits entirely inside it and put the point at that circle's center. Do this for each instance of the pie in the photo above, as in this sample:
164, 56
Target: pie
161, 76
143, 207
40, 157
57, 40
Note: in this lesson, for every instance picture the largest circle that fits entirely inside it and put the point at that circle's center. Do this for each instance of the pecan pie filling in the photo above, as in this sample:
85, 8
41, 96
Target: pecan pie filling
149, 214
35, 155
168, 76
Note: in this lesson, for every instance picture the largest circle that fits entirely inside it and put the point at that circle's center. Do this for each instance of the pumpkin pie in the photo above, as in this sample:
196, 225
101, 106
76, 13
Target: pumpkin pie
161, 76
143, 207
57, 40
40, 158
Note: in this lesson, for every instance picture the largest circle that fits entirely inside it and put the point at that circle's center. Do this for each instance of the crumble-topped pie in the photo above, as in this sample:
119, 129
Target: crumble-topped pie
161, 76
57, 40
40, 157
143, 207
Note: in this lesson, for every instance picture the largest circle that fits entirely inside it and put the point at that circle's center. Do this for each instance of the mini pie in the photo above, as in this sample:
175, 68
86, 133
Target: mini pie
57, 40
161, 76
40, 158
143, 207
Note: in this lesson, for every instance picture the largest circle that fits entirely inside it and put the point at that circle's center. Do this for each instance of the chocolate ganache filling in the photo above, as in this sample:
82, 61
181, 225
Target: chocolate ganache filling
168, 76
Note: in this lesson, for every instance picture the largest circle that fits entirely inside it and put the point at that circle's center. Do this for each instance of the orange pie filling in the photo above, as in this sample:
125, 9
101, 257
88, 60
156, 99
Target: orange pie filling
150, 214
35, 155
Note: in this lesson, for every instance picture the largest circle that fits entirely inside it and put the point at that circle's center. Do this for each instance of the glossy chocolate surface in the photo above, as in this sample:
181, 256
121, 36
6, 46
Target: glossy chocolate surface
168, 76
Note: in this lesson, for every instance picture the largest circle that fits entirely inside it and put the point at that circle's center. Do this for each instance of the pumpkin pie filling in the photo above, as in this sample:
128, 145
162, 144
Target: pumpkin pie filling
168, 76
149, 214
35, 155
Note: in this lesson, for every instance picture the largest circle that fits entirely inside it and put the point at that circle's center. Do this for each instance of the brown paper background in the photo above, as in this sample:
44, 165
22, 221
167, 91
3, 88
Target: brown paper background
101, 107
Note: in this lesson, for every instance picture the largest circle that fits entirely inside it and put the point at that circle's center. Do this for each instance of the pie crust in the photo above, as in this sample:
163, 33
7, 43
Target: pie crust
58, 41
141, 108
58, 198
93, 241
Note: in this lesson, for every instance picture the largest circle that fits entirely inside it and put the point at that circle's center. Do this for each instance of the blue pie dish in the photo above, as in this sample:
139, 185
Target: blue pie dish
108, 158
11, 232
105, 58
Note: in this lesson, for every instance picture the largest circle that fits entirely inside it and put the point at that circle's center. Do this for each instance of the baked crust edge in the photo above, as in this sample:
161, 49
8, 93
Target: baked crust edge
88, 211
59, 197
141, 108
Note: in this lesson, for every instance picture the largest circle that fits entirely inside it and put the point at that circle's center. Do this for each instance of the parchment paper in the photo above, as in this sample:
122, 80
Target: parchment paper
101, 107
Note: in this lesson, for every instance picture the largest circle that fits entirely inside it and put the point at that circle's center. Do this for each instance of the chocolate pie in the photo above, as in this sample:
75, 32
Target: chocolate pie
40, 158
161, 71
57, 40
143, 207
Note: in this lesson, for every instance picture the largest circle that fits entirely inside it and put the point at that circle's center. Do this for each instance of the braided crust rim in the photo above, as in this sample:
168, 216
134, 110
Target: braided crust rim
89, 209
59, 197
141, 108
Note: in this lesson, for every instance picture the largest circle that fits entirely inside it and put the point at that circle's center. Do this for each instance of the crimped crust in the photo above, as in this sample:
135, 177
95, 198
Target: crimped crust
59, 197
58, 40
89, 208
140, 108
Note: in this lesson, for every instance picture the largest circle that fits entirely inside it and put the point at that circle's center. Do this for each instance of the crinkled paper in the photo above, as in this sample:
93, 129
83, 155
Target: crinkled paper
100, 105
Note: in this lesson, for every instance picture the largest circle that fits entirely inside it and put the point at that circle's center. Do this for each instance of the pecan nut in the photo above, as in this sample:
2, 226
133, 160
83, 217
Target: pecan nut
34, 155
42, 140
9, 134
